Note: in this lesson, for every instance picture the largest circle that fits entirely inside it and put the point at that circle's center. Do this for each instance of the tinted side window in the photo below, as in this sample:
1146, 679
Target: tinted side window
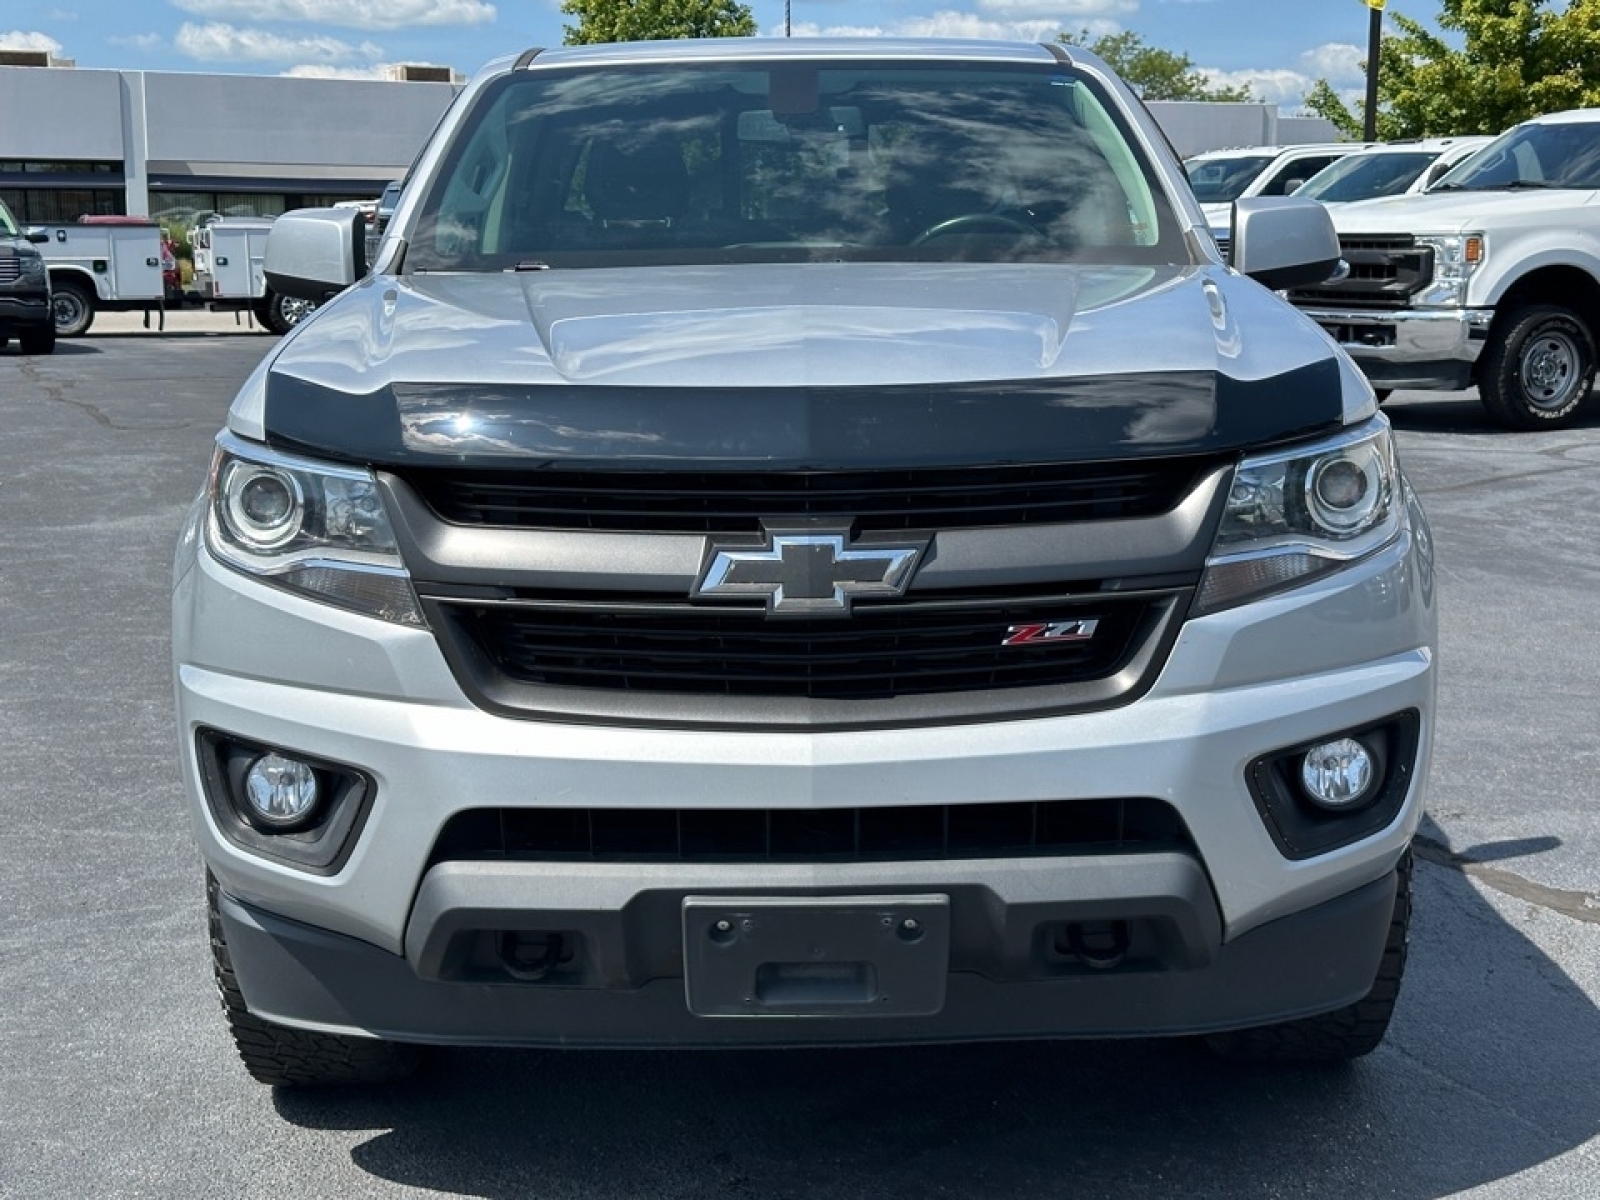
1301, 169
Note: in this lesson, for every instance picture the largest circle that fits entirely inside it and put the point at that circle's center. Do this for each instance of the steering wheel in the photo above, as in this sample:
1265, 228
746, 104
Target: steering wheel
977, 223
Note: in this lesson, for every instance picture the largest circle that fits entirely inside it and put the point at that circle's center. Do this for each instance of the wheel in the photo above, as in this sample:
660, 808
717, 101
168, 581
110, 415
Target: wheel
284, 1057
73, 307
36, 341
1345, 1033
1538, 369
282, 313
977, 223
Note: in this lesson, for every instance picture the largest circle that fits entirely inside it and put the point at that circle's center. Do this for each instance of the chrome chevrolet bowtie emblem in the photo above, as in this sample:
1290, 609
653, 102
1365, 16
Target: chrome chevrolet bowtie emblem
808, 574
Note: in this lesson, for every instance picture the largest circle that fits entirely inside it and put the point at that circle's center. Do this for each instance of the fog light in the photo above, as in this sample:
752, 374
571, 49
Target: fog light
1338, 774
282, 792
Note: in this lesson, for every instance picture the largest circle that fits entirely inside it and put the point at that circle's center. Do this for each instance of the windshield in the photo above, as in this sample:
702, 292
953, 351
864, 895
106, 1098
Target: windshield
1223, 180
1564, 155
1366, 176
791, 162
8, 226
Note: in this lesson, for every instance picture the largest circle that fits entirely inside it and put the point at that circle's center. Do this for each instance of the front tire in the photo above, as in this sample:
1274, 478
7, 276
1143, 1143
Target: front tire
284, 1057
281, 313
36, 341
73, 308
1345, 1033
1538, 369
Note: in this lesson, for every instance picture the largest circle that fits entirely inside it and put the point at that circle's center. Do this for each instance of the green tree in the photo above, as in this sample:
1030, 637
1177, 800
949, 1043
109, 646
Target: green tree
1515, 59
1153, 73
1324, 102
655, 20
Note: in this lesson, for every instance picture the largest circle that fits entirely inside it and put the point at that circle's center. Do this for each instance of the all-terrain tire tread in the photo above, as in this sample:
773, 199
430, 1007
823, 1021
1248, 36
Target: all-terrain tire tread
284, 1057
1499, 389
1346, 1033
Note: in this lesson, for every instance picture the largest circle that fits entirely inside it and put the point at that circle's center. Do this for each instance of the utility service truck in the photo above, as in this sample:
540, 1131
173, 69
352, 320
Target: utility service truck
228, 256
104, 264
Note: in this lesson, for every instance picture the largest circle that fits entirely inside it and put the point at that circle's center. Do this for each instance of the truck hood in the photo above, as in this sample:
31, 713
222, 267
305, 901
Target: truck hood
1457, 212
815, 365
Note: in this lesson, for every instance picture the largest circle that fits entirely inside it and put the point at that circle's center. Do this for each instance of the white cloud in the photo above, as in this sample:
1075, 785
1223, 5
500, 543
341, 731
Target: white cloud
1071, 11
952, 24
17, 39
1276, 85
1337, 62
137, 41
322, 71
225, 43
353, 14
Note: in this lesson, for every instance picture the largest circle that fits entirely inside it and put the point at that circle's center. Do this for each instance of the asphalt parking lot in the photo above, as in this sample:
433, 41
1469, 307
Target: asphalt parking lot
117, 1077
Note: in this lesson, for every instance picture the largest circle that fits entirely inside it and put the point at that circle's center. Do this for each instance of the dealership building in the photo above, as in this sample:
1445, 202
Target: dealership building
170, 145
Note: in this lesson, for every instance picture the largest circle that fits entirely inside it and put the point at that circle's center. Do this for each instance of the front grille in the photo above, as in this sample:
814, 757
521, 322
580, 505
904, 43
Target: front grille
10, 269
925, 832
899, 649
1385, 272
738, 501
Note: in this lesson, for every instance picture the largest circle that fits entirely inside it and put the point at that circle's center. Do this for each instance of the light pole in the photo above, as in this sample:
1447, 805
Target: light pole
788, 25
1374, 48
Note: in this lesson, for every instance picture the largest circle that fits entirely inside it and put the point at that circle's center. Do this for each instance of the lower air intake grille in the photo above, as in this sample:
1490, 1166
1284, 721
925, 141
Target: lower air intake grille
953, 831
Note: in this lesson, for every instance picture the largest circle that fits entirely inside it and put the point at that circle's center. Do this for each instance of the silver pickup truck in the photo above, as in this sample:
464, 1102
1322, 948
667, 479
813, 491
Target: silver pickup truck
794, 543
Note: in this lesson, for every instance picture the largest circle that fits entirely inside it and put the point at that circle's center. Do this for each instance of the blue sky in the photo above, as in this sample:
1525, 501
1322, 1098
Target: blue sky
1277, 46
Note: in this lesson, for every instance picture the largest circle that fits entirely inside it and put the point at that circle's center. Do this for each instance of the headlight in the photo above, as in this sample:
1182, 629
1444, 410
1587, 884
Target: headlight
308, 527
32, 266
1302, 513
1455, 258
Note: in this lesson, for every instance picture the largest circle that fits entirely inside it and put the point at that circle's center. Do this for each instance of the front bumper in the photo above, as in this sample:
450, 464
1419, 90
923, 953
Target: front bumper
1343, 652
1425, 349
1321, 958
24, 311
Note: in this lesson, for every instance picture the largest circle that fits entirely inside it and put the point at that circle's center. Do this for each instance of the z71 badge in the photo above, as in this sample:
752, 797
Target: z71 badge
1051, 631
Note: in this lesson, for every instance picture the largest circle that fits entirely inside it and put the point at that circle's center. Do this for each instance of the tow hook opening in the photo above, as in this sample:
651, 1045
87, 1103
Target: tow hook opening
1101, 945
530, 956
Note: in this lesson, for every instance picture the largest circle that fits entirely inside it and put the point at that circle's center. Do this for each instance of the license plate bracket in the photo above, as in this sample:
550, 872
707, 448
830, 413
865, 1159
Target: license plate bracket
826, 956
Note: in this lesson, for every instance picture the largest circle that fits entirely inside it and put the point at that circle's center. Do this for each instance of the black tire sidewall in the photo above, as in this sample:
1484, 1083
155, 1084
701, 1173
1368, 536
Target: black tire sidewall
85, 303
1500, 386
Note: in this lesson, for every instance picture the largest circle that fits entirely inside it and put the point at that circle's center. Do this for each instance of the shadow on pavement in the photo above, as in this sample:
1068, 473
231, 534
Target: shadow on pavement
1455, 412
1488, 1070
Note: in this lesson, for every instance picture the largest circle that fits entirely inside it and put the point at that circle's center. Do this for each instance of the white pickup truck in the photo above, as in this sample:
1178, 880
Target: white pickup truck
1491, 279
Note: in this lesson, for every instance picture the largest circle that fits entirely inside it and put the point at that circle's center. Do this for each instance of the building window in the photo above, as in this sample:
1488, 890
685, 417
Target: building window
62, 206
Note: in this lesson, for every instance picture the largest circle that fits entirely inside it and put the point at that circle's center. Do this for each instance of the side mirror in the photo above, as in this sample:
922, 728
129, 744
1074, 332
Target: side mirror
1282, 243
36, 235
1291, 186
315, 253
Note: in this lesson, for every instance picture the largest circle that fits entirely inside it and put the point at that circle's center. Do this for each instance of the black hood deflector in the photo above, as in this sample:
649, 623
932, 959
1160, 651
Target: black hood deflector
802, 428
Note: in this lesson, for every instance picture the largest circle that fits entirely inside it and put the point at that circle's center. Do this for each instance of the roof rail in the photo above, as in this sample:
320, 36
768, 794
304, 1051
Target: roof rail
1060, 52
527, 57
